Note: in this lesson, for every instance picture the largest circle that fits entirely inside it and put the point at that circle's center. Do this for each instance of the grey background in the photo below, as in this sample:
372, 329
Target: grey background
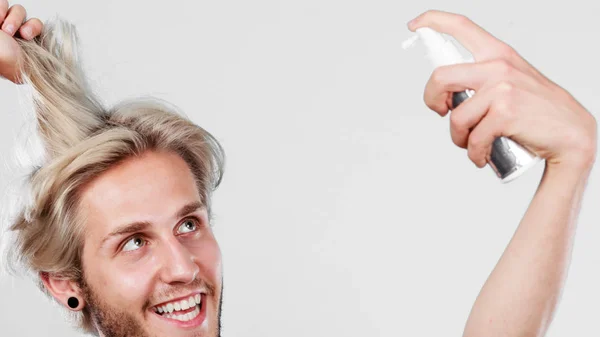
345, 210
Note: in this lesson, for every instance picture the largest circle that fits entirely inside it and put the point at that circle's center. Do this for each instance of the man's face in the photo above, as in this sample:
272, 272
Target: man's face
148, 247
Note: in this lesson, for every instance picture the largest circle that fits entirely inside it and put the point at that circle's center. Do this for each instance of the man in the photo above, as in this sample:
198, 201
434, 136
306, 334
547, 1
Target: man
150, 266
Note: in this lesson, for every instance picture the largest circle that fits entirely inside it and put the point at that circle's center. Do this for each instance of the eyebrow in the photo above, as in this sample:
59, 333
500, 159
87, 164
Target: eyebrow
139, 226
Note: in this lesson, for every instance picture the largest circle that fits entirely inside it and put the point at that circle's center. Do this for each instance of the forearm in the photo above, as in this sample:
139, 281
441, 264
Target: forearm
521, 294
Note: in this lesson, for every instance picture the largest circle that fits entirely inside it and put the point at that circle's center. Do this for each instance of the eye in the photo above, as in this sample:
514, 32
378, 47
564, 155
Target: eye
188, 226
134, 243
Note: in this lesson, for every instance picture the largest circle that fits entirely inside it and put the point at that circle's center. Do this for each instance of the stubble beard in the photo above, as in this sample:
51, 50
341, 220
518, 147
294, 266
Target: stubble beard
114, 322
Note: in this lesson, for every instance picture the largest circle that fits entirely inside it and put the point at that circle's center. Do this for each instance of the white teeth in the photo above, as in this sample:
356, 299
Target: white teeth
186, 304
195, 313
186, 317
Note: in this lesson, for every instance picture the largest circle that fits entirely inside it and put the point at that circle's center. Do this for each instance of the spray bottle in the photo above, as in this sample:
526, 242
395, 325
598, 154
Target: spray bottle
508, 159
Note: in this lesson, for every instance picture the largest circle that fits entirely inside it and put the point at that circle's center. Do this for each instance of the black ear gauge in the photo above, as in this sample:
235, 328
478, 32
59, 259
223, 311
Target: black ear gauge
73, 302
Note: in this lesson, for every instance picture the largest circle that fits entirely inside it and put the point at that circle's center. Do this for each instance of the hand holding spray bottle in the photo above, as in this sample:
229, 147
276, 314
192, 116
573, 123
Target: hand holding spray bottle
508, 159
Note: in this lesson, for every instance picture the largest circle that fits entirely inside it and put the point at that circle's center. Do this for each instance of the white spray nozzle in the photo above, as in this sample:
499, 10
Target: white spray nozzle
440, 51
410, 42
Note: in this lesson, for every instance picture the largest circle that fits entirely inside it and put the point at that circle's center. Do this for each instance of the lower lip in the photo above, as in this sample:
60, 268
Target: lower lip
193, 323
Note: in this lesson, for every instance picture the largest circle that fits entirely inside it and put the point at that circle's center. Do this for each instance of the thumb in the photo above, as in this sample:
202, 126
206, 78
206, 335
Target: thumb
10, 54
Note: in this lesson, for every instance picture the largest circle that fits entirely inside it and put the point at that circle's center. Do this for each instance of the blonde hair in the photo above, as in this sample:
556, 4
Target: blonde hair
82, 139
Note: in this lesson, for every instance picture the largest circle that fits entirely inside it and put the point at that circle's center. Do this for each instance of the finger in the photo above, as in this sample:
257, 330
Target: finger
459, 77
468, 114
32, 28
14, 19
495, 123
478, 41
466, 117
3, 9
445, 80
481, 139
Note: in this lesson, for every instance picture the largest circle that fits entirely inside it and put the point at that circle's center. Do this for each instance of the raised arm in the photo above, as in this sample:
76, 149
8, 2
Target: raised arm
514, 100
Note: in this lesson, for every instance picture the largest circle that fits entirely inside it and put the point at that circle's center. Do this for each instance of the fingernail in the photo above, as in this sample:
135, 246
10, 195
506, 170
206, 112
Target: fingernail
27, 32
9, 28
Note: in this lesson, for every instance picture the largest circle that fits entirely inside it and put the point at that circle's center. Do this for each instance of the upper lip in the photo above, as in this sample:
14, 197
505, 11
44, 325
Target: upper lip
178, 299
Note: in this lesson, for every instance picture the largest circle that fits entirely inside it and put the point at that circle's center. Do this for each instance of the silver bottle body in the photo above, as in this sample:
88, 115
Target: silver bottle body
508, 159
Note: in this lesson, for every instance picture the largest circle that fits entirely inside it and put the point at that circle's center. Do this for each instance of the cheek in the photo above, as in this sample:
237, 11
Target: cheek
208, 255
132, 283
120, 283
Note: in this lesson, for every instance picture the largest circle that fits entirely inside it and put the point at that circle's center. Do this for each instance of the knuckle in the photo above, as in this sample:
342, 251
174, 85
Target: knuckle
456, 140
456, 121
471, 152
504, 111
509, 52
475, 151
18, 9
462, 19
426, 99
473, 142
503, 67
504, 107
431, 104
427, 13
437, 76
430, 13
472, 157
505, 88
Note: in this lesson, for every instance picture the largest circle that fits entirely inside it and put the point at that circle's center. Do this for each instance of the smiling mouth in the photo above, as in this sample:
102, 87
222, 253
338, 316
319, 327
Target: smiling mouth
182, 310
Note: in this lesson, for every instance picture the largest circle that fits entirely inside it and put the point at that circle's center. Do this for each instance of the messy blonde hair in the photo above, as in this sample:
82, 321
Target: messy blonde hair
82, 139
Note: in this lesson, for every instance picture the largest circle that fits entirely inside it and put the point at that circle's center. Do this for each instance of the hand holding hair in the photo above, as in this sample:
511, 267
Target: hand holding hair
14, 24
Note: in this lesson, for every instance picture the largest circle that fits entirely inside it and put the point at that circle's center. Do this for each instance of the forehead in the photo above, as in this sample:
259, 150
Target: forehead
151, 187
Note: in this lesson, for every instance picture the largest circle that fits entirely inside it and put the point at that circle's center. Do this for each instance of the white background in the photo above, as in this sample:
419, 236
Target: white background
345, 209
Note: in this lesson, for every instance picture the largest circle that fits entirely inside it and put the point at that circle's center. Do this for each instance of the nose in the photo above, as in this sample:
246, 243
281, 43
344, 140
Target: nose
179, 264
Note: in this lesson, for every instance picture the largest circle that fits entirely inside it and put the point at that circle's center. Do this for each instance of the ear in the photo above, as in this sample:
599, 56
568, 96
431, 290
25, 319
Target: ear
63, 290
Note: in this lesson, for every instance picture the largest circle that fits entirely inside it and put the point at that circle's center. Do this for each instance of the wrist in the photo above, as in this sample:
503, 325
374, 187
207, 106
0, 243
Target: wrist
579, 162
568, 171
